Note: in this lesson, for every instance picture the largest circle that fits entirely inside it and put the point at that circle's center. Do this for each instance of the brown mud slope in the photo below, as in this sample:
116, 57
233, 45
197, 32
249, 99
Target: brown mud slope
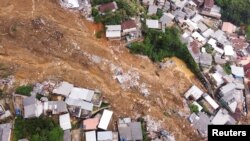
43, 41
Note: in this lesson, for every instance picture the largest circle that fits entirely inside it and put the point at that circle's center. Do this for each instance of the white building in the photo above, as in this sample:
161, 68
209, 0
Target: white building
64, 121
153, 24
194, 91
113, 31
105, 119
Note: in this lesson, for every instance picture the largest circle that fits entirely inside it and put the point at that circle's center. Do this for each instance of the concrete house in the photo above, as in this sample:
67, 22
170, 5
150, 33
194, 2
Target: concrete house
81, 93
222, 117
5, 131
228, 27
105, 119
129, 131
113, 32
64, 89
32, 107
208, 5
166, 20
154, 24
152, 10
128, 26
206, 60
56, 107
194, 92
111, 6
200, 122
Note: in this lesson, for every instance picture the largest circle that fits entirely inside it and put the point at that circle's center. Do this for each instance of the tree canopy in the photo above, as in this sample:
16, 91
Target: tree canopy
157, 45
235, 11
126, 9
37, 129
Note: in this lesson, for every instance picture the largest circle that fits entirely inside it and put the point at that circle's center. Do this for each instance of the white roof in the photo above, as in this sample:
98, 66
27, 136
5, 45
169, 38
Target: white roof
197, 18
105, 136
222, 117
90, 136
218, 78
113, 34
194, 91
169, 15
237, 71
64, 89
152, 23
227, 88
65, 121
233, 106
72, 3
105, 119
198, 105
191, 24
198, 37
212, 42
229, 51
211, 101
114, 27
81, 93
80, 103
208, 33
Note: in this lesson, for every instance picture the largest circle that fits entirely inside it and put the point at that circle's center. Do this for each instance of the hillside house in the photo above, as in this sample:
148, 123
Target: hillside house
166, 20
128, 26
228, 27
237, 71
55, 107
194, 92
222, 117
79, 108
90, 136
91, 123
111, 6
152, 10
64, 89
154, 24
105, 119
129, 131
206, 60
32, 107
64, 121
200, 122
208, 5
5, 131
113, 32
82, 94
194, 49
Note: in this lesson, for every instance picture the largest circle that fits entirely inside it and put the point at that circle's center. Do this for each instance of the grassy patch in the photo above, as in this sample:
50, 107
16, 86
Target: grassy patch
24, 90
227, 68
37, 129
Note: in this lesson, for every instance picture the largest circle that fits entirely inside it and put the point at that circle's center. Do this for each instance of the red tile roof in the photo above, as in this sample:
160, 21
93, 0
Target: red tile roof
128, 24
247, 70
107, 7
238, 42
195, 47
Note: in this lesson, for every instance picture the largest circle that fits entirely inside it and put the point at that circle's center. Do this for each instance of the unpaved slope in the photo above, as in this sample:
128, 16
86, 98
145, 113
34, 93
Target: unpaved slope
44, 41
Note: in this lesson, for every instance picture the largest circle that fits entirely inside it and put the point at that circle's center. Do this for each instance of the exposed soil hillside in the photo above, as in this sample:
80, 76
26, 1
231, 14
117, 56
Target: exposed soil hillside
44, 41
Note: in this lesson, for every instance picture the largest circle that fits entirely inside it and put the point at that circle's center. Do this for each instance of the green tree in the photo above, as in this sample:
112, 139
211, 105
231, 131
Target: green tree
24, 90
235, 11
194, 108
